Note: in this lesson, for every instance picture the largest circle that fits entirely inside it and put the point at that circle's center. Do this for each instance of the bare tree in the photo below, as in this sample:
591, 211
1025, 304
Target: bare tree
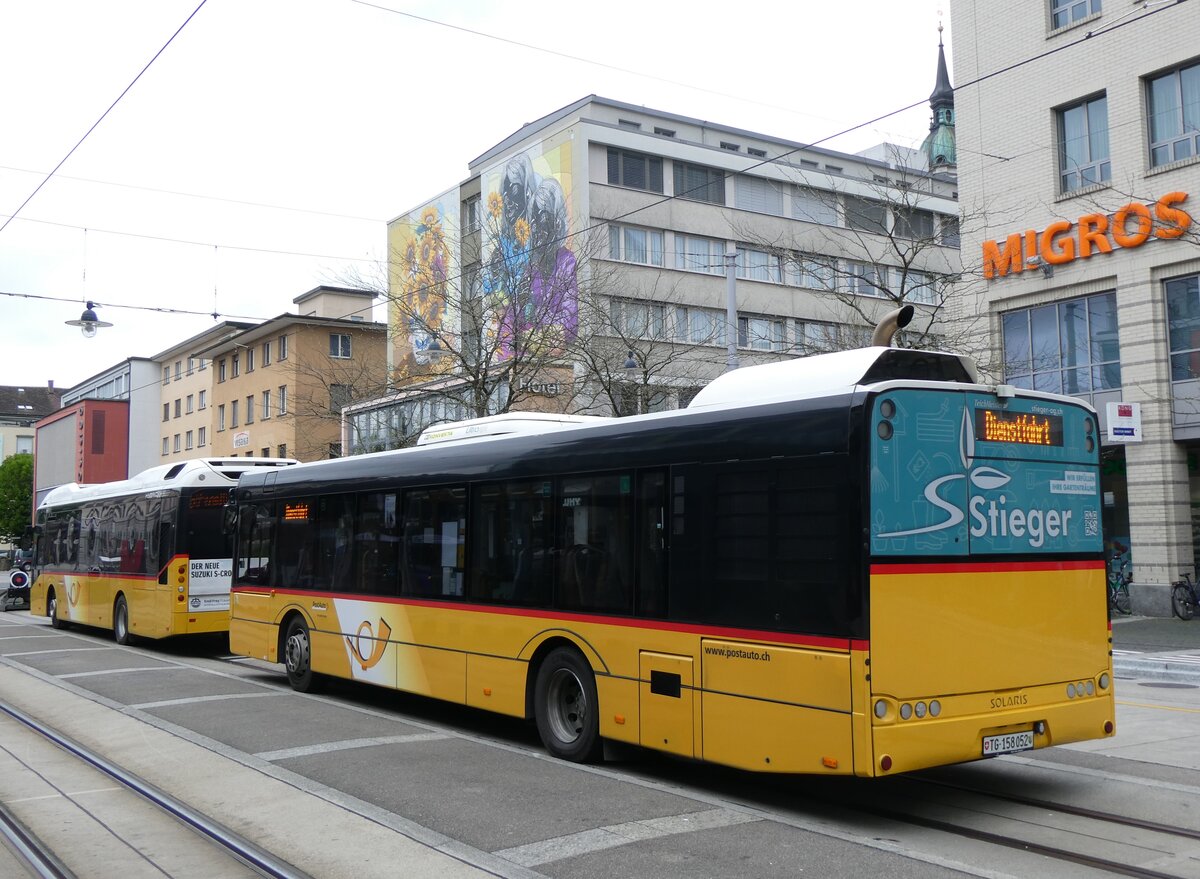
324, 386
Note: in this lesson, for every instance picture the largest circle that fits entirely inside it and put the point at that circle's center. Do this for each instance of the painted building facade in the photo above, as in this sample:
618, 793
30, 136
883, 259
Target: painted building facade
1079, 168
599, 235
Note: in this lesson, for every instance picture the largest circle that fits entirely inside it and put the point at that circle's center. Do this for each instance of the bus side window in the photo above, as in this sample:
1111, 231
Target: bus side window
292, 562
652, 544
595, 538
256, 525
377, 545
335, 542
434, 542
511, 529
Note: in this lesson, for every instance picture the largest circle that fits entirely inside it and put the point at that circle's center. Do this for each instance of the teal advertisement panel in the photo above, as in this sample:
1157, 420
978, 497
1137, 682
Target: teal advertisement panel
958, 473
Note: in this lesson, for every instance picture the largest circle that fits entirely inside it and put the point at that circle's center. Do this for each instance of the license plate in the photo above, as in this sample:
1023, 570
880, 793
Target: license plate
1007, 743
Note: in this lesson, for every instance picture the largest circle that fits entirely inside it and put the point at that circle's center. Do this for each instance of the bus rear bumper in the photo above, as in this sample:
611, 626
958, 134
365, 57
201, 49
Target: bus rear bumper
903, 746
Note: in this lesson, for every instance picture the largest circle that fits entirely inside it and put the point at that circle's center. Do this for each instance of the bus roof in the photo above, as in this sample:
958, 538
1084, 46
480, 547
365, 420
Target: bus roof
195, 473
504, 425
840, 372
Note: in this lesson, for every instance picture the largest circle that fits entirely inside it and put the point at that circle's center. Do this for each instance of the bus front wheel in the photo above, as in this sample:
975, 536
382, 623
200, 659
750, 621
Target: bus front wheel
297, 656
56, 621
567, 708
121, 621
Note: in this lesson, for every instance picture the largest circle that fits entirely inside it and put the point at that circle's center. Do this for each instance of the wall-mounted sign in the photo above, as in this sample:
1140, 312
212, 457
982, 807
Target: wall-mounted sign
1124, 422
1063, 242
241, 440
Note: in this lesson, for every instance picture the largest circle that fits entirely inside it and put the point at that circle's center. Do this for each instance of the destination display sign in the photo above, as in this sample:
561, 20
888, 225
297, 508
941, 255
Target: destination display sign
1022, 428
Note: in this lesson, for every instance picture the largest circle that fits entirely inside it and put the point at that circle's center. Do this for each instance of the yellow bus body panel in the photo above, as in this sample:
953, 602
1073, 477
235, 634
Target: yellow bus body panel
997, 649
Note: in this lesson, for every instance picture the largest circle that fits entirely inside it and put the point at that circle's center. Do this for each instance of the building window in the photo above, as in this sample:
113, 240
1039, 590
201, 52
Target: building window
1083, 144
1183, 318
283, 347
166, 375
166, 445
221, 416
233, 414
700, 326
1067, 347
335, 450
178, 443
235, 365
698, 254
864, 279
166, 411
265, 452
282, 453
950, 234
1064, 12
759, 194
699, 183
757, 153
191, 365
729, 145
917, 286
266, 405
638, 319
664, 132
178, 407
635, 170
266, 358
866, 215
250, 409
914, 224
814, 206
188, 408
203, 364
644, 246
202, 437
221, 370
178, 370
762, 334
1174, 103
339, 346
204, 400
470, 216
249, 360
283, 399
188, 440
758, 265
814, 272
340, 396
816, 337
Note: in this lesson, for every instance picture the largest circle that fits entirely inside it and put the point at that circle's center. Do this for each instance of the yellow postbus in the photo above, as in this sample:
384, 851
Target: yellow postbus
863, 563
146, 557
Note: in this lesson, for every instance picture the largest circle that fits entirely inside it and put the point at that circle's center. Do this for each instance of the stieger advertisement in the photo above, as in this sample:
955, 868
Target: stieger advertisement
208, 584
971, 474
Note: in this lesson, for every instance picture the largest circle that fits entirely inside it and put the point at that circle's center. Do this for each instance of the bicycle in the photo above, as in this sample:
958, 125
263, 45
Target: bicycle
1119, 577
1185, 596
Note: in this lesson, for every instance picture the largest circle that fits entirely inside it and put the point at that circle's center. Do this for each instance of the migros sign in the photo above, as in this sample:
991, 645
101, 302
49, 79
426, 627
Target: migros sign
1063, 242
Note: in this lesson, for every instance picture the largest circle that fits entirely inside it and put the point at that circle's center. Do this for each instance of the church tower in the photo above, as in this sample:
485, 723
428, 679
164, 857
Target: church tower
939, 145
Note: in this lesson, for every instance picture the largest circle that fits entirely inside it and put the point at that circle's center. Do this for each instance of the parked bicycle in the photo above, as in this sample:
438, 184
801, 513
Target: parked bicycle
1185, 596
1120, 574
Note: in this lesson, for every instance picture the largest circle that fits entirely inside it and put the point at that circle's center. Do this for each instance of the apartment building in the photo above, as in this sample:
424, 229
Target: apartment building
187, 418
278, 388
1079, 164
602, 237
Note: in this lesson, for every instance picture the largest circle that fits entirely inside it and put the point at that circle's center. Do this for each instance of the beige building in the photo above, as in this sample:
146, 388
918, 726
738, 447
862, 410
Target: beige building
1079, 170
187, 416
278, 388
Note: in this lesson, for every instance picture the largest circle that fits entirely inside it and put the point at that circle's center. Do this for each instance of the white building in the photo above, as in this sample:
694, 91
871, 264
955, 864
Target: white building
1078, 162
653, 201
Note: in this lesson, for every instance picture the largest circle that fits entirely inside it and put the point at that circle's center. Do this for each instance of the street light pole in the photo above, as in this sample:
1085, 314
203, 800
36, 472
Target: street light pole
731, 356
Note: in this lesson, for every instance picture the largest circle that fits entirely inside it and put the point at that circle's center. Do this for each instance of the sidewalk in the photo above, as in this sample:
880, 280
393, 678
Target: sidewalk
1159, 648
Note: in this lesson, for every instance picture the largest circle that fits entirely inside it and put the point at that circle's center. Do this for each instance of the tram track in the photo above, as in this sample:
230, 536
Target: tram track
41, 858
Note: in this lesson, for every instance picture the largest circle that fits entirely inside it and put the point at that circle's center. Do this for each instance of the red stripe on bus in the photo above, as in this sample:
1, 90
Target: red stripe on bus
662, 625
985, 567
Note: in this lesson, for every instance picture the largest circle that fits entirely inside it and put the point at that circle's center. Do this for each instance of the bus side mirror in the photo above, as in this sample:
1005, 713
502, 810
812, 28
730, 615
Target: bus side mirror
229, 521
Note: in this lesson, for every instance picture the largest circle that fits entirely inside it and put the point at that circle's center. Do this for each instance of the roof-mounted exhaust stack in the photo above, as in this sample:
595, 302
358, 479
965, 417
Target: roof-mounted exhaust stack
892, 321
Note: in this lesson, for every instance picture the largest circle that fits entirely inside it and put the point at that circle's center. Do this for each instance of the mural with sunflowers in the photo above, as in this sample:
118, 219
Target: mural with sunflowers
422, 274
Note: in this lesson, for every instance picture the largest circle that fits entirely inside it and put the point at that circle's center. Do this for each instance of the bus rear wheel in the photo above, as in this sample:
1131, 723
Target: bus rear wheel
121, 621
566, 707
56, 621
297, 656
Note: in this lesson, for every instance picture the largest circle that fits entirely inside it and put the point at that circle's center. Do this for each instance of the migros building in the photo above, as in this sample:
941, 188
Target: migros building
1078, 148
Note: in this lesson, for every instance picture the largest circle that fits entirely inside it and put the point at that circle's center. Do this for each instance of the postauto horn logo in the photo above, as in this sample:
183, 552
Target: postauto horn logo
991, 518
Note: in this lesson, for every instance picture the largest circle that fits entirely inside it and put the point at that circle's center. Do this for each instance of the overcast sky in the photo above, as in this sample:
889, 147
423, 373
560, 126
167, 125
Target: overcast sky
265, 149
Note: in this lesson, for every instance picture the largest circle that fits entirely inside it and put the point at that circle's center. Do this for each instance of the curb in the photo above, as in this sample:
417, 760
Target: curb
1182, 669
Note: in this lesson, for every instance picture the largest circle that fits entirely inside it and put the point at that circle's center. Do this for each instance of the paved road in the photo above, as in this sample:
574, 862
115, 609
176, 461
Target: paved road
1166, 649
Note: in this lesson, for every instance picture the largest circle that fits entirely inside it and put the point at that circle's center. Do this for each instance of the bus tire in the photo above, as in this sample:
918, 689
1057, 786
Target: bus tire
56, 622
121, 621
566, 707
297, 656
